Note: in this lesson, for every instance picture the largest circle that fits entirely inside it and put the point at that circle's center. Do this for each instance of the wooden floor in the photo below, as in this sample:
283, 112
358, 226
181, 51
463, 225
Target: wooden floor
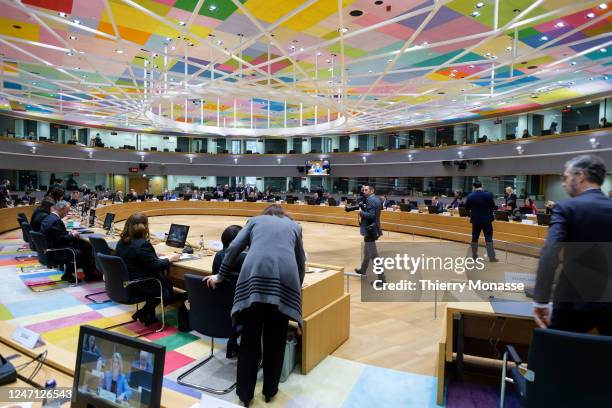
401, 336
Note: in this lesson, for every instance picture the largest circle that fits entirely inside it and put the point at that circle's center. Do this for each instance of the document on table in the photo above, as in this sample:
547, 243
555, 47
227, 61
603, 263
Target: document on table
315, 270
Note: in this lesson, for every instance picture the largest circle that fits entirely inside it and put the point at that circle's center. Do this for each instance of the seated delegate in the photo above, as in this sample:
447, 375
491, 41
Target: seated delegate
226, 238
54, 230
40, 213
142, 262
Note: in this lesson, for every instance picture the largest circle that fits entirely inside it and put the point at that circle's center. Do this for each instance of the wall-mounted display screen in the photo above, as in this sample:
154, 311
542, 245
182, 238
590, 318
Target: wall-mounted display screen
317, 168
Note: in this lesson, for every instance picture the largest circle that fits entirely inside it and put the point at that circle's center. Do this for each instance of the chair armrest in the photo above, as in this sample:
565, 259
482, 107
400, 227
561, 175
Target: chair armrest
60, 249
513, 354
135, 281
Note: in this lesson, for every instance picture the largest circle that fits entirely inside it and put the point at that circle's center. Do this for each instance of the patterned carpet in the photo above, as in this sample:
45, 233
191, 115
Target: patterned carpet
57, 315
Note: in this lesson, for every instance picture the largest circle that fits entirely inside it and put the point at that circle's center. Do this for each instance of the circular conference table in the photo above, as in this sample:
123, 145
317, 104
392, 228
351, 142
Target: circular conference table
512, 236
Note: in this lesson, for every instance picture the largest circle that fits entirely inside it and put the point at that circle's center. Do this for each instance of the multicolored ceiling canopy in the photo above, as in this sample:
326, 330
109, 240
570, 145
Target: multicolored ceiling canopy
285, 67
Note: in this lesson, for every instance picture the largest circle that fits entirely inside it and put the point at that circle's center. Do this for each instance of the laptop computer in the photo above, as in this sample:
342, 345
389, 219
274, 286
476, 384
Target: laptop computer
543, 219
501, 215
404, 207
177, 236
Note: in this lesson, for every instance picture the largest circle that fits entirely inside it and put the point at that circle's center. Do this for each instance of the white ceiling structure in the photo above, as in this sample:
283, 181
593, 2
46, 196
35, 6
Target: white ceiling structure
259, 67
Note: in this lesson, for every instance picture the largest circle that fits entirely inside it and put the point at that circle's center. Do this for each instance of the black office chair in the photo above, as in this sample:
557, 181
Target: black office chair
210, 315
98, 246
565, 369
22, 217
42, 249
119, 287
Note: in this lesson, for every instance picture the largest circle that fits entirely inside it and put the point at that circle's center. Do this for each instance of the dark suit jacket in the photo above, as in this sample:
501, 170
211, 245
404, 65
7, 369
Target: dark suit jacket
576, 222
370, 215
55, 232
234, 270
37, 218
511, 201
481, 204
140, 258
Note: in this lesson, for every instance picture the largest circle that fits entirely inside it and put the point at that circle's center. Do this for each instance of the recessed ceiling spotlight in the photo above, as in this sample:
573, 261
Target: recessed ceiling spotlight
470, 66
480, 4
494, 57
588, 102
488, 54
212, 7
590, 15
119, 51
475, 14
61, 14
75, 21
168, 38
182, 23
602, 6
33, 83
292, 48
343, 30
319, 54
602, 50
219, 42
191, 44
370, 71
70, 53
425, 43
560, 24
573, 63
453, 100
356, 13
544, 38
173, 48
77, 67
508, 48
390, 60
73, 37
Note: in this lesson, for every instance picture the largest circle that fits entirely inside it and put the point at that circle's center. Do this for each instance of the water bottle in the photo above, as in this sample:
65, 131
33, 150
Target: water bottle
202, 253
51, 402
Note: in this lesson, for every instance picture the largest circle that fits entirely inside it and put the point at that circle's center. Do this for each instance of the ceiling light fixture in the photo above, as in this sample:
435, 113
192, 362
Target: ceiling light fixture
544, 38
590, 15
508, 49
219, 42
343, 30
75, 21
119, 51
212, 7
61, 14
560, 24
182, 23
475, 14
588, 102
602, 50
73, 37
480, 4
602, 6
573, 63
70, 53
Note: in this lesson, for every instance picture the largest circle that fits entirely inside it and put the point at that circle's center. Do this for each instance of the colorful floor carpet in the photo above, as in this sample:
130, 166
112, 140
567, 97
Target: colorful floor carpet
57, 315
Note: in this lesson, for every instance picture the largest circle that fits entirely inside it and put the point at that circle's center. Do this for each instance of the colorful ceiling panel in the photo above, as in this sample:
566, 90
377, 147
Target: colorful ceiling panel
259, 64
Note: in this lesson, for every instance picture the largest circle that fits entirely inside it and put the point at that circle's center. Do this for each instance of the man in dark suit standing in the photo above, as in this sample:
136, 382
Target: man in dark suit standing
584, 218
54, 230
369, 227
481, 204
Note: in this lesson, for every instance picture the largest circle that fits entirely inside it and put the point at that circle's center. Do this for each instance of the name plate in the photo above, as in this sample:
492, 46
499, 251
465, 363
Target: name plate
528, 222
215, 245
27, 337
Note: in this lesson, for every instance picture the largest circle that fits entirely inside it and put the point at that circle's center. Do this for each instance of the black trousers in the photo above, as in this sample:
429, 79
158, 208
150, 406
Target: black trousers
583, 320
258, 318
369, 253
486, 228
150, 291
84, 259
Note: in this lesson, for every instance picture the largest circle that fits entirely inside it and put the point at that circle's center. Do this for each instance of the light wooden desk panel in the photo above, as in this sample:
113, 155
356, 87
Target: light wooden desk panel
8, 217
518, 237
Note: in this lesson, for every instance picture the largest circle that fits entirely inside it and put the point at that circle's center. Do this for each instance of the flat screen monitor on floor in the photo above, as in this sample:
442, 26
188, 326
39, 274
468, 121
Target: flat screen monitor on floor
177, 236
114, 370
108, 221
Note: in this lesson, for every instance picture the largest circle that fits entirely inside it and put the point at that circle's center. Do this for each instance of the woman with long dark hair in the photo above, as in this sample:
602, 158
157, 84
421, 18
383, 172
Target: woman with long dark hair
141, 260
268, 295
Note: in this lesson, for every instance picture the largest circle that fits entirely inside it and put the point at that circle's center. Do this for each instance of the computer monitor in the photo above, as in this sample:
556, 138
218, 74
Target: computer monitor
141, 366
525, 210
310, 201
92, 217
583, 127
332, 202
290, 200
546, 132
108, 221
433, 209
501, 215
464, 212
177, 236
543, 219
32, 201
414, 204
404, 207
251, 199
187, 197
427, 202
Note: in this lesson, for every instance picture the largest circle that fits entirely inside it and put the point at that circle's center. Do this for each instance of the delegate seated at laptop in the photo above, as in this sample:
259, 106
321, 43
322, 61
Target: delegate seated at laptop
141, 261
